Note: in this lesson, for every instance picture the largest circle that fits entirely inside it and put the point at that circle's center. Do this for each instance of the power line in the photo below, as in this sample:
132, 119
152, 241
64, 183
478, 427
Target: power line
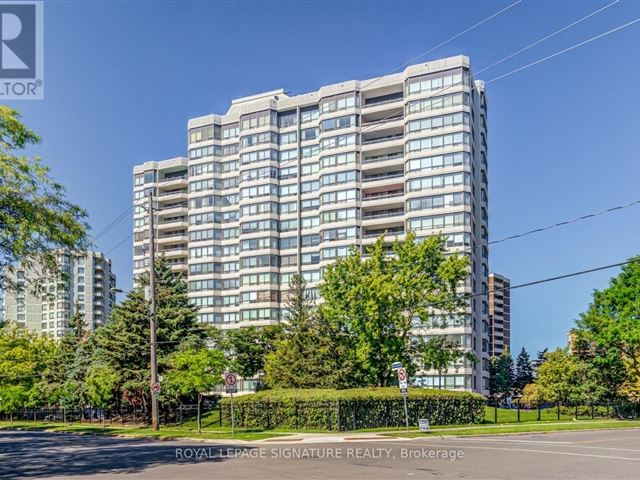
118, 219
474, 75
442, 44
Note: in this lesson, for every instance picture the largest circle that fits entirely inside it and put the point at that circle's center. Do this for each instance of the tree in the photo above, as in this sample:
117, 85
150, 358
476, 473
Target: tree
379, 300
101, 383
249, 346
24, 357
611, 327
530, 397
557, 377
35, 216
311, 352
524, 374
123, 343
501, 376
194, 372
441, 352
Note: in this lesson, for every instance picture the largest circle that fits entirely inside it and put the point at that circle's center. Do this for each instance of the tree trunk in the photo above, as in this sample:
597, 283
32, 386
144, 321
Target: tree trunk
199, 416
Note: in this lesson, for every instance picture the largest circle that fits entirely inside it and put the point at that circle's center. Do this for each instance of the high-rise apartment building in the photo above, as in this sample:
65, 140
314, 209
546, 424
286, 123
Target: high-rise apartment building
283, 184
499, 314
87, 286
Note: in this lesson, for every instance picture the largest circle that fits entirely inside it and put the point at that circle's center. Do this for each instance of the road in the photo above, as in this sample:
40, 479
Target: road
603, 454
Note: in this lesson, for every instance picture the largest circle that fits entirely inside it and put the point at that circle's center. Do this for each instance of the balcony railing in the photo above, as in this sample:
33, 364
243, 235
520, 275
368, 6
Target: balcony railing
388, 138
170, 179
387, 233
173, 192
382, 121
382, 158
382, 176
378, 196
376, 103
383, 214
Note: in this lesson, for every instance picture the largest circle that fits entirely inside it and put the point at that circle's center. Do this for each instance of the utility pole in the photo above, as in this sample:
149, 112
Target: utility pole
155, 418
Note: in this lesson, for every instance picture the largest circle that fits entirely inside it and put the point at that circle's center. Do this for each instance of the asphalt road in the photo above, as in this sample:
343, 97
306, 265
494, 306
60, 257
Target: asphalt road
612, 454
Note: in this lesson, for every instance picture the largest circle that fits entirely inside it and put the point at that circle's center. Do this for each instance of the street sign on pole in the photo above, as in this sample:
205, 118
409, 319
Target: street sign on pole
396, 365
403, 384
155, 387
230, 382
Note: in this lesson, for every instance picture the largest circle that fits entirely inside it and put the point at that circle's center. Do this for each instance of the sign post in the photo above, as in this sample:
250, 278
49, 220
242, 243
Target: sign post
231, 387
403, 384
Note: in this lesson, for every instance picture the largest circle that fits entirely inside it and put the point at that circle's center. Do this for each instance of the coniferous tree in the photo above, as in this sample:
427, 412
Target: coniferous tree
524, 371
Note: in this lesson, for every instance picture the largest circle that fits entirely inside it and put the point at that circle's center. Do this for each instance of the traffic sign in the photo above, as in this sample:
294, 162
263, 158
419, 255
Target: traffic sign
155, 387
230, 382
402, 378
396, 365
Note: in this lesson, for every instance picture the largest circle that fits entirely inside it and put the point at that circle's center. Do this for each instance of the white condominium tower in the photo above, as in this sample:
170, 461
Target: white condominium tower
282, 184
44, 304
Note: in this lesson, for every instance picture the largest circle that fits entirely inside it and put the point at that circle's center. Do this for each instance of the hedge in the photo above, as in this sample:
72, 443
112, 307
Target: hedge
340, 410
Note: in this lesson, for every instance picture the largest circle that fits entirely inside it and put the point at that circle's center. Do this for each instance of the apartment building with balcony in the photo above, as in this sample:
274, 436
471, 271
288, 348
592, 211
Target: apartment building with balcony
282, 184
499, 314
45, 304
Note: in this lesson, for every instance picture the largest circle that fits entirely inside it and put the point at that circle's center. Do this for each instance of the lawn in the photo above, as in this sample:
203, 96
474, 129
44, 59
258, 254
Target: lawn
525, 427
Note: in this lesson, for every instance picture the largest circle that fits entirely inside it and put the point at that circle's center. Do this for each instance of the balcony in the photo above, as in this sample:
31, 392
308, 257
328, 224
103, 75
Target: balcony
382, 195
383, 176
388, 138
383, 158
388, 232
395, 212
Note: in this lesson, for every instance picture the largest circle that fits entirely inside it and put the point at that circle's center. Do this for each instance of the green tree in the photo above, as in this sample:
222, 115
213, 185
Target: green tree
441, 353
501, 376
557, 377
35, 216
24, 357
249, 346
101, 383
611, 329
124, 344
311, 352
381, 299
524, 373
194, 373
530, 397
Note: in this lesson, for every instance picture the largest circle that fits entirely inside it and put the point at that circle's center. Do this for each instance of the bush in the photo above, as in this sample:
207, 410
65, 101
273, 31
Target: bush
339, 410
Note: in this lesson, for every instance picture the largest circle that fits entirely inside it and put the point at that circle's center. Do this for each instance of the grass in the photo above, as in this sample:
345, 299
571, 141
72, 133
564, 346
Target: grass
525, 427
210, 430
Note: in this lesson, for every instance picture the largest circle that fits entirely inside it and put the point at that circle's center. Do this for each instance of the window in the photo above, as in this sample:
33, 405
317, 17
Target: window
339, 141
436, 222
201, 134
257, 173
309, 114
334, 252
259, 244
289, 172
258, 139
311, 258
439, 201
287, 119
259, 191
288, 155
338, 160
308, 187
437, 103
287, 138
288, 260
344, 233
442, 121
289, 207
310, 204
288, 242
230, 131
435, 81
340, 215
438, 181
259, 156
341, 177
339, 122
339, 102
310, 222
310, 151
258, 119
309, 134
195, 153
229, 150
286, 190
440, 141
439, 161
339, 196
259, 226
260, 208
310, 169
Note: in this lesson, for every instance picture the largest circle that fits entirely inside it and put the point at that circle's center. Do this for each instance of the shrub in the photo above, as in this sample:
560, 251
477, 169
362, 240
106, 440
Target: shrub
339, 410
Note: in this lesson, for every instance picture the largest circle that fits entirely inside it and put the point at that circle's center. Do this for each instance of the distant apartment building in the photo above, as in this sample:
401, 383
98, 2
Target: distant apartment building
87, 286
285, 184
499, 314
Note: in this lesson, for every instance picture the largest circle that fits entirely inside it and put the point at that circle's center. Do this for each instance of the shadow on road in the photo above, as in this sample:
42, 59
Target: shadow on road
43, 455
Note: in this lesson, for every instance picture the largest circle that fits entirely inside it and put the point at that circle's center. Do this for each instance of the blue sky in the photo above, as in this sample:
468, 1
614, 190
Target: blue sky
122, 79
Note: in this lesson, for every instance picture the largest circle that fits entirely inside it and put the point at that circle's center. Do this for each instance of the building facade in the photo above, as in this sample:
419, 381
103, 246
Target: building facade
499, 314
284, 184
87, 288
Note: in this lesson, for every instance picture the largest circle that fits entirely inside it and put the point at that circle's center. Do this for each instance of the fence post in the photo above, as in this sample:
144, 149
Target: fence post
558, 409
220, 413
353, 416
339, 415
518, 412
539, 416
576, 411
592, 411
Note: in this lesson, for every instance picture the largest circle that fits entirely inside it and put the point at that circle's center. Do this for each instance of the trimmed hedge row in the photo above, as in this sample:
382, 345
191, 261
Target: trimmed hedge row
340, 410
